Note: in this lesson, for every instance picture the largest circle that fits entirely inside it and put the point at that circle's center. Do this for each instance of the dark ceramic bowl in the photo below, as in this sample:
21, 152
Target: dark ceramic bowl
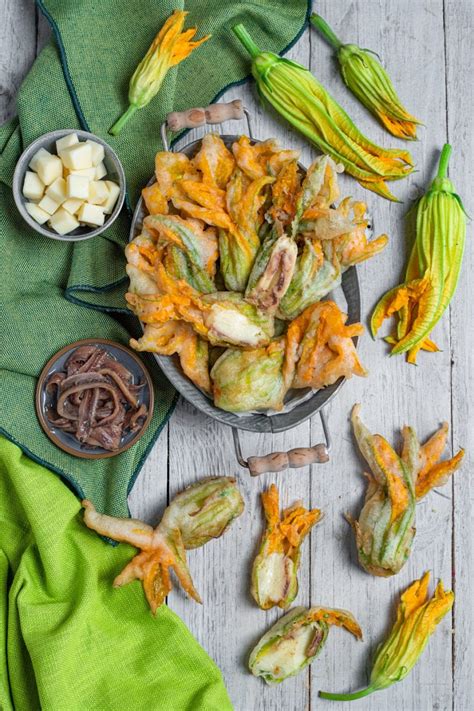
44, 399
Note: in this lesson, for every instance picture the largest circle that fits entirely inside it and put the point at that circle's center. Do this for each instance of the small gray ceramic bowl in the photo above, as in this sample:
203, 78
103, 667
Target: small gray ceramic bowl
48, 142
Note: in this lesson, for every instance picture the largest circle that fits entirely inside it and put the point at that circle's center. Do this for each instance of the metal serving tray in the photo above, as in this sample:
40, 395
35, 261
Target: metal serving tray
279, 422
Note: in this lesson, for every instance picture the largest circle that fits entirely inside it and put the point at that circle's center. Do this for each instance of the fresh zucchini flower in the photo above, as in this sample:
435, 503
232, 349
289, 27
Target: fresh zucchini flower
275, 569
433, 268
370, 83
385, 529
417, 618
295, 640
199, 513
295, 93
168, 49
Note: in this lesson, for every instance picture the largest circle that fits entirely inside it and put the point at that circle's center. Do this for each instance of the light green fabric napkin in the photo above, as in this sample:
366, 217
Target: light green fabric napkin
81, 80
69, 641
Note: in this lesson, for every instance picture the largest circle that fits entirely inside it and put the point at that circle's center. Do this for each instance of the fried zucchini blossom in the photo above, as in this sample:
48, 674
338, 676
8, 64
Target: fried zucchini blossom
275, 569
297, 96
295, 640
432, 272
417, 618
198, 514
170, 46
385, 529
370, 83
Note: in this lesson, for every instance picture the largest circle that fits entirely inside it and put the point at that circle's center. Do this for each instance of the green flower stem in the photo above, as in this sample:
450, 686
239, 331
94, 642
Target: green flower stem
242, 34
347, 697
444, 160
323, 27
118, 125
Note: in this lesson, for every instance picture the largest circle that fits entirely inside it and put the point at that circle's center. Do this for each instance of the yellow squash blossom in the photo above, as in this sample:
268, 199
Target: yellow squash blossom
168, 49
297, 95
417, 618
370, 83
433, 268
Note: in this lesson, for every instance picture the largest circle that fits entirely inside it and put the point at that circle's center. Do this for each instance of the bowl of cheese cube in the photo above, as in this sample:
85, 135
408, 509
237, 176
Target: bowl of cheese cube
69, 185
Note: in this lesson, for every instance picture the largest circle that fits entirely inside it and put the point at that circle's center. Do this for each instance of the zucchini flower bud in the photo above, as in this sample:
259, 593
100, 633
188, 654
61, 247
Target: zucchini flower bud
295, 93
295, 640
417, 618
275, 569
433, 269
168, 49
370, 83
199, 513
385, 529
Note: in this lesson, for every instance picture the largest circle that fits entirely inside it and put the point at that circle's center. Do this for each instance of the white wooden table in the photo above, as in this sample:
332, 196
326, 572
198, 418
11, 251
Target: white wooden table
427, 46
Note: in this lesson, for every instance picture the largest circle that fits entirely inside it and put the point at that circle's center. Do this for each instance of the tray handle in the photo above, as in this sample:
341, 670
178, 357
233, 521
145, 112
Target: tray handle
293, 459
197, 116
215, 113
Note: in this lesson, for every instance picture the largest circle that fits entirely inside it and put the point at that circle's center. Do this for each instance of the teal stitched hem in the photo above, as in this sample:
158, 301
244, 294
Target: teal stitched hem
69, 296
67, 74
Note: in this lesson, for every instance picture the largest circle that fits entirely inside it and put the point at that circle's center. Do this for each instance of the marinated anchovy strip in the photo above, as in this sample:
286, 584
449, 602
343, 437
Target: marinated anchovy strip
275, 569
95, 398
295, 640
198, 514
385, 529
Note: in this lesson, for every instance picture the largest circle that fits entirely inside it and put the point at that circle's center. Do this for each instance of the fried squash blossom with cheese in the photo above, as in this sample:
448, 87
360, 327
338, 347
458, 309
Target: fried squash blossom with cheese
238, 250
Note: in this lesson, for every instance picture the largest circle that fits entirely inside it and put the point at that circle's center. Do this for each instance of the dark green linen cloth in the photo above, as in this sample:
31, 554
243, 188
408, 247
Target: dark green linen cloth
53, 293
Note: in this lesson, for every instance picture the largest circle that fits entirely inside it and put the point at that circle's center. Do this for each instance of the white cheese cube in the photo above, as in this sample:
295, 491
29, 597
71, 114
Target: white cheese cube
100, 171
66, 142
36, 213
98, 152
33, 186
63, 222
48, 204
72, 205
87, 172
92, 215
98, 192
114, 192
49, 168
77, 187
57, 191
39, 154
78, 156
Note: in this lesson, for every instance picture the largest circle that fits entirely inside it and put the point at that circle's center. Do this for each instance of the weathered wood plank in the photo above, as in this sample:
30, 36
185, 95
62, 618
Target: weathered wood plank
459, 19
17, 50
409, 37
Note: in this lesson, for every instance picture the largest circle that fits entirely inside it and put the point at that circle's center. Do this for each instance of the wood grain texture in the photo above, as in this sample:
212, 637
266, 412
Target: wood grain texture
426, 47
